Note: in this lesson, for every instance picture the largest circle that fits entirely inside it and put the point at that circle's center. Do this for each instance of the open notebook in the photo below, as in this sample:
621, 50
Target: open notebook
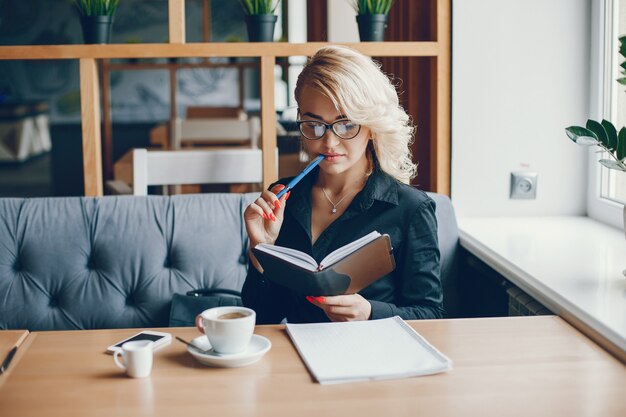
346, 270
365, 350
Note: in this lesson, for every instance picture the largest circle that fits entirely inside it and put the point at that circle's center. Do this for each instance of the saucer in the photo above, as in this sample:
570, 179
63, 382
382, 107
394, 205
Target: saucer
258, 347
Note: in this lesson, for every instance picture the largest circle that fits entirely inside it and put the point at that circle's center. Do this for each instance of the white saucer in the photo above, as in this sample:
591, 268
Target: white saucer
258, 347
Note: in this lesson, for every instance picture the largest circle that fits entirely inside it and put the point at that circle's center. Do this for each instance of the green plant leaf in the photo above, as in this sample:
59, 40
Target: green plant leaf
581, 135
611, 134
611, 164
622, 81
622, 47
96, 7
621, 144
597, 128
372, 6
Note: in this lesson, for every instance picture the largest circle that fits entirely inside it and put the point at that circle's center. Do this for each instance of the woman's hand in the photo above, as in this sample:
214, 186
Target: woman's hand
264, 218
199, 324
351, 307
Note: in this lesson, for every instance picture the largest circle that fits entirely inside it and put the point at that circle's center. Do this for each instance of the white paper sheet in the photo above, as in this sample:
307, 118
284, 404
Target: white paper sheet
365, 350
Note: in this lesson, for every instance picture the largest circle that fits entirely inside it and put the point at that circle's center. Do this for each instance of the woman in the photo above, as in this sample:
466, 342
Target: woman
349, 112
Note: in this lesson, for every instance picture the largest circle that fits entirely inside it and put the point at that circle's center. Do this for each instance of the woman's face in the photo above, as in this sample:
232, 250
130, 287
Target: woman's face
341, 155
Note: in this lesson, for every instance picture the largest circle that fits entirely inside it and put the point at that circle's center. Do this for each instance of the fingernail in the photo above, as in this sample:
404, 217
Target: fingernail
277, 203
320, 299
287, 195
265, 216
309, 298
272, 217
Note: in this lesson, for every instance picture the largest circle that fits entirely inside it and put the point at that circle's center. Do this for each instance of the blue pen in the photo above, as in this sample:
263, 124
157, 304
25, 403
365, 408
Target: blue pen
301, 175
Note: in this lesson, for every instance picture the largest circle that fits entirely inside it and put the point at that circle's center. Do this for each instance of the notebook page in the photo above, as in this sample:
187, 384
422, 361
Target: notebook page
345, 250
296, 257
365, 350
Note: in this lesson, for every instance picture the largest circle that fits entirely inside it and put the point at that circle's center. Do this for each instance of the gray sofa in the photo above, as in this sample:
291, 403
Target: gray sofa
115, 262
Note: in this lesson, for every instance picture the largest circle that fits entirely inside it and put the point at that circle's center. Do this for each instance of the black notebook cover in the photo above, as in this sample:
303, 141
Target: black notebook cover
347, 276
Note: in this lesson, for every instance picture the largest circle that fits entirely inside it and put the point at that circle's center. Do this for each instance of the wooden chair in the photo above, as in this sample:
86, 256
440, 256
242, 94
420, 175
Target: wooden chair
202, 166
216, 132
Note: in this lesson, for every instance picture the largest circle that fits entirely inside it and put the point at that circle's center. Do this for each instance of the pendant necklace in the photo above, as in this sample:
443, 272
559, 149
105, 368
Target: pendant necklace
334, 209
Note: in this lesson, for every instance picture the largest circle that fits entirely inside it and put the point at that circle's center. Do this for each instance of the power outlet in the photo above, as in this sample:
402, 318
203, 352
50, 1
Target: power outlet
523, 185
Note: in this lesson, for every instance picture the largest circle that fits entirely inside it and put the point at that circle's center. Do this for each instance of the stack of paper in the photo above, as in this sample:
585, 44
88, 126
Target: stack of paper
365, 350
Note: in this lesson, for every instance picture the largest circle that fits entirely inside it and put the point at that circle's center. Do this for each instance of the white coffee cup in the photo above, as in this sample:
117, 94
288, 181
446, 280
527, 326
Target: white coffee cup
136, 358
229, 329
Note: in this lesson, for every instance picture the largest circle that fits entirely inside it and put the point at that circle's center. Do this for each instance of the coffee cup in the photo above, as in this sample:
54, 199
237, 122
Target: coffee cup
136, 358
229, 329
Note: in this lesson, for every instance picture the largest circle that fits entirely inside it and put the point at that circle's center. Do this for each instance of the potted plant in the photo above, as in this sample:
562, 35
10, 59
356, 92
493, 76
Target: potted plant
96, 19
604, 134
372, 19
260, 19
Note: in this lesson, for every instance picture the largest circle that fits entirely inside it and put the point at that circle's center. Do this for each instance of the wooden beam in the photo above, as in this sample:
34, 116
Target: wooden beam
440, 148
176, 20
90, 116
206, 20
213, 49
268, 121
107, 140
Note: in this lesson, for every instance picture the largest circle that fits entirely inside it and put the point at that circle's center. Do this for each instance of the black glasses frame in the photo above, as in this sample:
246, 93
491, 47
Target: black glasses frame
327, 126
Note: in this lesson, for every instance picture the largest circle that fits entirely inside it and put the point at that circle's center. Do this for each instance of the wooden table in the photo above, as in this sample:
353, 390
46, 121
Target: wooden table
524, 366
9, 339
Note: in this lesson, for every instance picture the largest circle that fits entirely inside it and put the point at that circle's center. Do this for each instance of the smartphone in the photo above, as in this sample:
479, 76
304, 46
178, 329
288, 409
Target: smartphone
160, 339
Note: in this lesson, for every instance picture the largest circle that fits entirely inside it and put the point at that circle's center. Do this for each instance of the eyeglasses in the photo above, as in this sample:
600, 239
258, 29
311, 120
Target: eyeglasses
314, 130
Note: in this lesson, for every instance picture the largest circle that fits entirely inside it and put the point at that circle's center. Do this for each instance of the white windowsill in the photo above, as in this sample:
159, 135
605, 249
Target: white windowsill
572, 265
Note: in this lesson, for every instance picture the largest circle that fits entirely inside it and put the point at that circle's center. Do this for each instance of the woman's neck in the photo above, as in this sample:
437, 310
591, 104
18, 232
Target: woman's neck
338, 184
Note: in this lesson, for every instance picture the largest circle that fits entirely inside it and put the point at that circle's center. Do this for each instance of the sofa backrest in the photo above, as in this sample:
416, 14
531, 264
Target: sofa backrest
113, 262
448, 235
88, 263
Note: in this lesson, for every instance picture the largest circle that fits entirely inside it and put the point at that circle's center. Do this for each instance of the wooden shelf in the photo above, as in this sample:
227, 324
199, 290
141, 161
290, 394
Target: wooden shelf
213, 49
92, 83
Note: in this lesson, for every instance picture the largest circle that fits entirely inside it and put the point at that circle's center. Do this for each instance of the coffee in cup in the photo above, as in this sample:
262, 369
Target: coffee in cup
234, 315
229, 329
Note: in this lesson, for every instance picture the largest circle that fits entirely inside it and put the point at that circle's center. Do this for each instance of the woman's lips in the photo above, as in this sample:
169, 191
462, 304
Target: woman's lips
332, 157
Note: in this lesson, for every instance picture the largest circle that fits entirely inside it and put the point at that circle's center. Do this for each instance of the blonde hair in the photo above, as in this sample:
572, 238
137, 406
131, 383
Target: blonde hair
357, 86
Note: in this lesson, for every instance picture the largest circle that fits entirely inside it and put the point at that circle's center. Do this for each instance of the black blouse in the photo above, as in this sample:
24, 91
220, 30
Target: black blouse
412, 291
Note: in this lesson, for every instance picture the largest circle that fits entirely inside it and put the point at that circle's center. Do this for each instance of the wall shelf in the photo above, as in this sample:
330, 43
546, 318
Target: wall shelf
211, 49
91, 84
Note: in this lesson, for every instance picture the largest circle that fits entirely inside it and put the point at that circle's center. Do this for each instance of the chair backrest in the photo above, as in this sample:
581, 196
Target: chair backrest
448, 235
202, 166
217, 131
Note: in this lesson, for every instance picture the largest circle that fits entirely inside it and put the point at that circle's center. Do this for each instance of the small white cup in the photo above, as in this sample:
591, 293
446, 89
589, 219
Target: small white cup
136, 358
229, 329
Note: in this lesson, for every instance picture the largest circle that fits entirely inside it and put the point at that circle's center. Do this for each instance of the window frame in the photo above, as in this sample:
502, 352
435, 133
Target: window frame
601, 77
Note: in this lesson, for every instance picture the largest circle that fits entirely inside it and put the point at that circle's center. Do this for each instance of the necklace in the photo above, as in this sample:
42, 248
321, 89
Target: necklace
334, 209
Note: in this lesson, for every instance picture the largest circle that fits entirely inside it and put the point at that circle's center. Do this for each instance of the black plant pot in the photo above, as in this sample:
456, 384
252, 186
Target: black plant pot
96, 29
372, 27
261, 27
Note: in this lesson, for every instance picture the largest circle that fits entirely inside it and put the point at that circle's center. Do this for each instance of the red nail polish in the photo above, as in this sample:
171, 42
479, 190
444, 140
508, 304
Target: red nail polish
265, 216
277, 203
320, 299
272, 217
309, 298
287, 195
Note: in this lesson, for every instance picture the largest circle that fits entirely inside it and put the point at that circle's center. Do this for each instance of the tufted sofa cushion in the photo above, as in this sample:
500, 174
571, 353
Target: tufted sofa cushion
113, 262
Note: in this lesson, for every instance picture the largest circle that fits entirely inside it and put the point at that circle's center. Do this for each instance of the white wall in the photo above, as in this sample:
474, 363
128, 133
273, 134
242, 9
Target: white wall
341, 21
520, 73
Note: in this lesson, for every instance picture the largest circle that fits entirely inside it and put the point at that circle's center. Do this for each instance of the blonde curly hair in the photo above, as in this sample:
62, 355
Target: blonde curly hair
358, 87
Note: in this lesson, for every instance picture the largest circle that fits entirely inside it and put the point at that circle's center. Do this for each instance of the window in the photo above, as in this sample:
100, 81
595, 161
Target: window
614, 182
607, 188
